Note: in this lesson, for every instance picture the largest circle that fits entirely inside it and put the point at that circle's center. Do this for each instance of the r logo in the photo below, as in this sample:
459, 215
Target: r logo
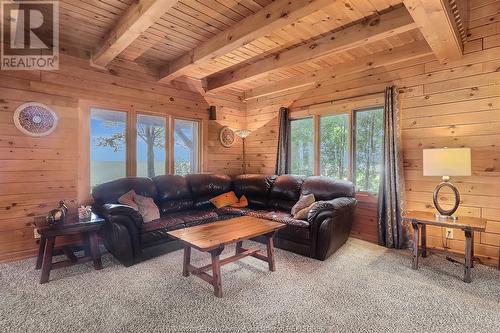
30, 35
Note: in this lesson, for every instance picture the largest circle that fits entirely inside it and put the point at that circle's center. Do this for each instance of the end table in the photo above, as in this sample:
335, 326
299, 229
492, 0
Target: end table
71, 226
465, 223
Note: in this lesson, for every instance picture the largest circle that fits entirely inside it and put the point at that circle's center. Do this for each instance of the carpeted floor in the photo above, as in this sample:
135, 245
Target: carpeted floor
361, 288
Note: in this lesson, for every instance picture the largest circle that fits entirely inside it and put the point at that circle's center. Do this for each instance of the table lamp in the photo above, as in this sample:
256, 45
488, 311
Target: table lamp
447, 162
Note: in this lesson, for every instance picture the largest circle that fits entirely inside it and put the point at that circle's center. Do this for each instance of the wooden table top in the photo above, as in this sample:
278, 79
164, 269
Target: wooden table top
209, 236
463, 222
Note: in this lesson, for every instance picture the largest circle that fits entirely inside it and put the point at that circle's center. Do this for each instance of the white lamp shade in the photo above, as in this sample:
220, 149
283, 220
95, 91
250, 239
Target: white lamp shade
447, 162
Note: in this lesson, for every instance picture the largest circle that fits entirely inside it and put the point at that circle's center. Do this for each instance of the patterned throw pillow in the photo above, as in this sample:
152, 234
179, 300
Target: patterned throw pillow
243, 202
128, 199
147, 208
303, 213
304, 202
224, 200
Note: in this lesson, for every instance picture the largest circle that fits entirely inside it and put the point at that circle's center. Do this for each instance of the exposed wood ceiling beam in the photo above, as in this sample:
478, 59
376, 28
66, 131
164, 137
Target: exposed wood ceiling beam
438, 25
384, 58
138, 18
276, 15
371, 30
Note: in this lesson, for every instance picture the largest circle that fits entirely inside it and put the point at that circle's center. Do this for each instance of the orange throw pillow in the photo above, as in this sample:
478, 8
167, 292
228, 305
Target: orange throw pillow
224, 200
243, 202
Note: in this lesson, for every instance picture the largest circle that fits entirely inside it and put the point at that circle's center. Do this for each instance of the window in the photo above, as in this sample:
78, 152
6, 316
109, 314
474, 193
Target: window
186, 150
301, 147
107, 145
334, 146
368, 147
151, 138
344, 153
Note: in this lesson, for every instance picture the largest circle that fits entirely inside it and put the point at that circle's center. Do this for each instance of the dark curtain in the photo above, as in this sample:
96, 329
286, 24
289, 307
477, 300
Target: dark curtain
282, 162
392, 232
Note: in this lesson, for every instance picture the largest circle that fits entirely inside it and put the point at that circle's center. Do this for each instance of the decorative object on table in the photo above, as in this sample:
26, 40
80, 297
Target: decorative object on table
447, 162
226, 137
84, 213
58, 215
243, 134
467, 224
35, 119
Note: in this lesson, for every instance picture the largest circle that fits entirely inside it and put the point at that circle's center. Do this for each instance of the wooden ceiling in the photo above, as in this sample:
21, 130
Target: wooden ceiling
273, 40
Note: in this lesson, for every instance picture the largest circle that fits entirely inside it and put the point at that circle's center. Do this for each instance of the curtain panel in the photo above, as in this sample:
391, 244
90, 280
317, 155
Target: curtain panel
283, 161
392, 232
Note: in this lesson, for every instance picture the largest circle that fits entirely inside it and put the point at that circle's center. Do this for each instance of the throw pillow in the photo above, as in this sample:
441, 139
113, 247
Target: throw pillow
304, 202
303, 213
224, 200
128, 199
147, 208
243, 202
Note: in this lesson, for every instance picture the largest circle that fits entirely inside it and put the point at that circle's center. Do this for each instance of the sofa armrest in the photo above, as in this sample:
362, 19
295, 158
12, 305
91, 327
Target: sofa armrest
330, 223
114, 210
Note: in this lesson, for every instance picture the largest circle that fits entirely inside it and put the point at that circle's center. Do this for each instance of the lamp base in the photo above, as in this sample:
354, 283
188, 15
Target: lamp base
446, 217
443, 213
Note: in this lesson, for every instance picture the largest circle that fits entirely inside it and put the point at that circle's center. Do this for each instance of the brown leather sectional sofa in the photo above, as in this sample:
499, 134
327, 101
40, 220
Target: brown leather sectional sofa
184, 201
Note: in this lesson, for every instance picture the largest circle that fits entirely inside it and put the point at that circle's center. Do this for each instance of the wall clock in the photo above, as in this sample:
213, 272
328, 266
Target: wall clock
35, 119
226, 136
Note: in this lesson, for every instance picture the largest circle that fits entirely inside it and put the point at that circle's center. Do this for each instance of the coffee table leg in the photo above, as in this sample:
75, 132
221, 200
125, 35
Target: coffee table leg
94, 250
415, 245
468, 255
41, 249
186, 261
216, 277
239, 245
47, 259
270, 252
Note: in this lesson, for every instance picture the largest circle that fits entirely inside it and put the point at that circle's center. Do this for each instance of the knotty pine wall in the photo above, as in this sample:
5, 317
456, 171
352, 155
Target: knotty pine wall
35, 173
454, 105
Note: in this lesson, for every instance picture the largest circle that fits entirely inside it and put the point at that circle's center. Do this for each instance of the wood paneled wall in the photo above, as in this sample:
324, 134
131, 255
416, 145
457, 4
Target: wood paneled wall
35, 173
454, 105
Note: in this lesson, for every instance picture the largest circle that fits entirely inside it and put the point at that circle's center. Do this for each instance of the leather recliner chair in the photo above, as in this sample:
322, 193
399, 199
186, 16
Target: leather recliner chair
184, 201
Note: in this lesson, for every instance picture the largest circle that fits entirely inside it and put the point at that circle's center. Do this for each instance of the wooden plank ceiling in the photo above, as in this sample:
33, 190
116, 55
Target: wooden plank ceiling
173, 43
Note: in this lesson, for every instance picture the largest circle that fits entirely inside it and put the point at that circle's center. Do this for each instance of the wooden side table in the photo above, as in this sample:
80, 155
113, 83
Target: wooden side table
71, 226
467, 224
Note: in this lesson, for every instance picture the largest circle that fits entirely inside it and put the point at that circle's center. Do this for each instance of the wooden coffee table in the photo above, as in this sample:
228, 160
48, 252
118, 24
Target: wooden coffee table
213, 237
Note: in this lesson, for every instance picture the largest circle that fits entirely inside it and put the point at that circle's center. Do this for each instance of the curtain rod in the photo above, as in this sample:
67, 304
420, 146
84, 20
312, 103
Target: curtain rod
304, 107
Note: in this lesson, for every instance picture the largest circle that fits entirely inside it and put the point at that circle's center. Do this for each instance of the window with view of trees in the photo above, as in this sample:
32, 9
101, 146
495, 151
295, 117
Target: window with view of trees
186, 146
301, 147
150, 152
368, 148
107, 145
333, 145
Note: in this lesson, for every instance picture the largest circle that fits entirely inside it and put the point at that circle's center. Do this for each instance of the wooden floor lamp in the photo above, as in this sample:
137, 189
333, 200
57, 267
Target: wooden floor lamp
243, 134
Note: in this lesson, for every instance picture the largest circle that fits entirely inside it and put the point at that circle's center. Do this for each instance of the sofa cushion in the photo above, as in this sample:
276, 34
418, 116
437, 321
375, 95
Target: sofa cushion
165, 222
147, 208
206, 186
285, 192
173, 193
110, 192
255, 188
128, 199
305, 201
326, 188
195, 217
287, 218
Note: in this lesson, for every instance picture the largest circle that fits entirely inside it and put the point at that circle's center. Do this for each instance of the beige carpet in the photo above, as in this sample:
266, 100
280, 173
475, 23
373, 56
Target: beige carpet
361, 288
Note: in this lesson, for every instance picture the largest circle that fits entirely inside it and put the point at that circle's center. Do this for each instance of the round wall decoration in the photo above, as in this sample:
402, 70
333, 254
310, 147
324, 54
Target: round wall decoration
35, 119
226, 136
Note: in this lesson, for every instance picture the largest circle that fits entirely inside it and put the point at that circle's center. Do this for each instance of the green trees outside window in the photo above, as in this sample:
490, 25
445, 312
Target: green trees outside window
301, 146
334, 146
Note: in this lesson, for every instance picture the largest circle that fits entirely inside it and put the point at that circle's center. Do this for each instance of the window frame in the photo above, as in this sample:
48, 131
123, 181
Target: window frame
84, 115
316, 112
172, 143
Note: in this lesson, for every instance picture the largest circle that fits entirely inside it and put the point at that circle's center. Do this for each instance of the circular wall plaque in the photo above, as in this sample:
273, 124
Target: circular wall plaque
35, 119
226, 136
